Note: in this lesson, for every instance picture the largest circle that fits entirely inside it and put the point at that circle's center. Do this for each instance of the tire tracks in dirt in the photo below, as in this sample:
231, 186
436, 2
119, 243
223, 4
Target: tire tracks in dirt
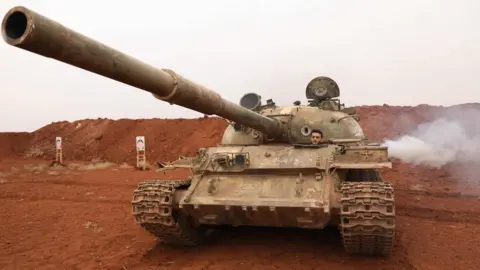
72, 183
437, 194
438, 214
45, 198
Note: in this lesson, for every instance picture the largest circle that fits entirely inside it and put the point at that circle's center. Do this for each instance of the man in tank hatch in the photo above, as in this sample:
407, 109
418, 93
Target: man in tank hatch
316, 136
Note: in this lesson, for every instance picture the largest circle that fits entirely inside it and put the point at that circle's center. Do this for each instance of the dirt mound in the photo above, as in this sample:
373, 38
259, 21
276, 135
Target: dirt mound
168, 138
115, 140
13, 144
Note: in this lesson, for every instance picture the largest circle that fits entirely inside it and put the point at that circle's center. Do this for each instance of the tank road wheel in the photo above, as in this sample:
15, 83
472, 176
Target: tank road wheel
152, 208
367, 218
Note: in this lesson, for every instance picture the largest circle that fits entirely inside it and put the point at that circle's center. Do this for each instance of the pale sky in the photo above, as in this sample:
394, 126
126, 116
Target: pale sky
394, 52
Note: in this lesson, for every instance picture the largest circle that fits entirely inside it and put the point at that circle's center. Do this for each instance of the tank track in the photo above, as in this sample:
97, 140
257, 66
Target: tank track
367, 218
153, 209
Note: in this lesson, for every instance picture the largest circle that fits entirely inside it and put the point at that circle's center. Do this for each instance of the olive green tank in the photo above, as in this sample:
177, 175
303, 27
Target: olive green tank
264, 172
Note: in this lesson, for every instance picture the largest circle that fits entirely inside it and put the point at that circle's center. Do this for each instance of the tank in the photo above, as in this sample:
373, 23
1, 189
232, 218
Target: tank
265, 171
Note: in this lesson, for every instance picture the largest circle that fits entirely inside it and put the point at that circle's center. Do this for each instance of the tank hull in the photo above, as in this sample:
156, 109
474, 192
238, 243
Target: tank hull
259, 200
280, 186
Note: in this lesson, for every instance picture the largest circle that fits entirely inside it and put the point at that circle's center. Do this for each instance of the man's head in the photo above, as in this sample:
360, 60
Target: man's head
316, 136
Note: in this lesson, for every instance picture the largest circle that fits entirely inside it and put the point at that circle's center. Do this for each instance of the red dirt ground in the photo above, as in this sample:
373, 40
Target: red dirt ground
80, 217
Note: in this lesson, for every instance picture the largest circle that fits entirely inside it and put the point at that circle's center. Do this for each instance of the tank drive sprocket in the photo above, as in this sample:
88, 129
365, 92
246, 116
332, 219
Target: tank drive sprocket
367, 217
153, 209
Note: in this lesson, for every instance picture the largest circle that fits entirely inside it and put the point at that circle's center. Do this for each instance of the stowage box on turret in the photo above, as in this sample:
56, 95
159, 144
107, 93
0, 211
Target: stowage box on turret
265, 172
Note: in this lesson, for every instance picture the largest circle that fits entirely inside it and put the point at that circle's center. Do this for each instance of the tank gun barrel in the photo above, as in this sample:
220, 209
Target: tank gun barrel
28, 30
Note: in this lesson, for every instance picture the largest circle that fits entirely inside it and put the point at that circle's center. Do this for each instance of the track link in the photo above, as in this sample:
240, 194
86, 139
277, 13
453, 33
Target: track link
367, 218
153, 209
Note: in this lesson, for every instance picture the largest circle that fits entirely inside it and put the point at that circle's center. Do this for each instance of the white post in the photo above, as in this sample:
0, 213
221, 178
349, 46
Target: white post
141, 157
58, 150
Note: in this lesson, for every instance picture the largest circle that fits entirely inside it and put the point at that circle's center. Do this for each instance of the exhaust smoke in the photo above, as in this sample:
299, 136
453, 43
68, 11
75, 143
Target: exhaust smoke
452, 138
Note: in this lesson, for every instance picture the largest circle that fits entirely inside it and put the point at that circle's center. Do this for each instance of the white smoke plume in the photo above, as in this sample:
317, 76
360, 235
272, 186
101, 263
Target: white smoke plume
455, 137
